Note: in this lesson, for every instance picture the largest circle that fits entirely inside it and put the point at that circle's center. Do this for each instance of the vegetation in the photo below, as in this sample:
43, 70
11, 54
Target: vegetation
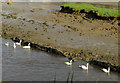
99, 11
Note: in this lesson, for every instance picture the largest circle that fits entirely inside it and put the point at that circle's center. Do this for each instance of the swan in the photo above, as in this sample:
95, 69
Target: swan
7, 44
27, 46
18, 43
84, 67
14, 45
105, 70
69, 63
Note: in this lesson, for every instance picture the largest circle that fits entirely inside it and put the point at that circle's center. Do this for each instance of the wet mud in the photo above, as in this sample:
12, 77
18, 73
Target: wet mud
74, 36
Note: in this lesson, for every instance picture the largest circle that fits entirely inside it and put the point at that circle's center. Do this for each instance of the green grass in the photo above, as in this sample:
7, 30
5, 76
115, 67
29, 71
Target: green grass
99, 11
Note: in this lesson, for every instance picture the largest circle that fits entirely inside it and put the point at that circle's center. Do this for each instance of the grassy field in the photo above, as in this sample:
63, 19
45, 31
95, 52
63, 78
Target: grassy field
99, 11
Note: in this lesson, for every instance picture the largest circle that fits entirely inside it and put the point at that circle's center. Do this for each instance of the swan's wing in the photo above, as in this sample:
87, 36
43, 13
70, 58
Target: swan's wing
69, 64
83, 66
17, 43
105, 70
26, 46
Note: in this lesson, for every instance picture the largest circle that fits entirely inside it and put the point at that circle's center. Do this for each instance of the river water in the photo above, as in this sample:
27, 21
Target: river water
34, 65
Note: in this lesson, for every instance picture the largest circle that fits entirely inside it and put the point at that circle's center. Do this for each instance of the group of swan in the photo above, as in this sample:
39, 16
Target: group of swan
17, 43
67, 63
86, 67
7, 44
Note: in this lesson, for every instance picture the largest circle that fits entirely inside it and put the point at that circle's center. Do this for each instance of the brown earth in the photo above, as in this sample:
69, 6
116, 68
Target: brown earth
75, 36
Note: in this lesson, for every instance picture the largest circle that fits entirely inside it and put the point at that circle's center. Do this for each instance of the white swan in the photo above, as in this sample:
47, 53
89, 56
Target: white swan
84, 67
27, 46
14, 45
69, 63
7, 44
105, 70
18, 43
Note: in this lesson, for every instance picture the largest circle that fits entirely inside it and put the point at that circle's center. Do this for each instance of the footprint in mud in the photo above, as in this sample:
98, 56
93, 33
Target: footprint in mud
36, 9
71, 39
48, 37
31, 21
36, 28
24, 19
80, 34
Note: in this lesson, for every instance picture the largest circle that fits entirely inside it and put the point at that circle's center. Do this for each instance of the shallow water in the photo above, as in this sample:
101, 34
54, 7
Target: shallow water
34, 65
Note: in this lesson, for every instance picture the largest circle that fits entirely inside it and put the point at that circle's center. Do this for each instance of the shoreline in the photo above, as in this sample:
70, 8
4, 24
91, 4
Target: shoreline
65, 34
55, 51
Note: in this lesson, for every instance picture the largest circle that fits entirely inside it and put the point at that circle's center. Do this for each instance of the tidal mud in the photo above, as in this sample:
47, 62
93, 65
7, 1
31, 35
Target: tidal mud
71, 35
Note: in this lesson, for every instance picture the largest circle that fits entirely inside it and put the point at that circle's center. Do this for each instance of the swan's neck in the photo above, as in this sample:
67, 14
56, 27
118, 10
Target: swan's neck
109, 69
20, 41
14, 45
87, 65
29, 44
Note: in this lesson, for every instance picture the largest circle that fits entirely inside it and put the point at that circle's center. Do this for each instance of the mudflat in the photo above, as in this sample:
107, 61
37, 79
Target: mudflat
75, 36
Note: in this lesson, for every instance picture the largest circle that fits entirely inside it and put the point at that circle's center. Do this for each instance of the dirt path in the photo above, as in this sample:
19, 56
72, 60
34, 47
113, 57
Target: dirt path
73, 35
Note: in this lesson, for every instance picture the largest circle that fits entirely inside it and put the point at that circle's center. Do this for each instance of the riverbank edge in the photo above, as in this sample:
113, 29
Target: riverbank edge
90, 14
56, 51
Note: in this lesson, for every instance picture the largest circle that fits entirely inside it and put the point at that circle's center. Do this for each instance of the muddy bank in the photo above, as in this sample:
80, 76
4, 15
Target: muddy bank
71, 35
